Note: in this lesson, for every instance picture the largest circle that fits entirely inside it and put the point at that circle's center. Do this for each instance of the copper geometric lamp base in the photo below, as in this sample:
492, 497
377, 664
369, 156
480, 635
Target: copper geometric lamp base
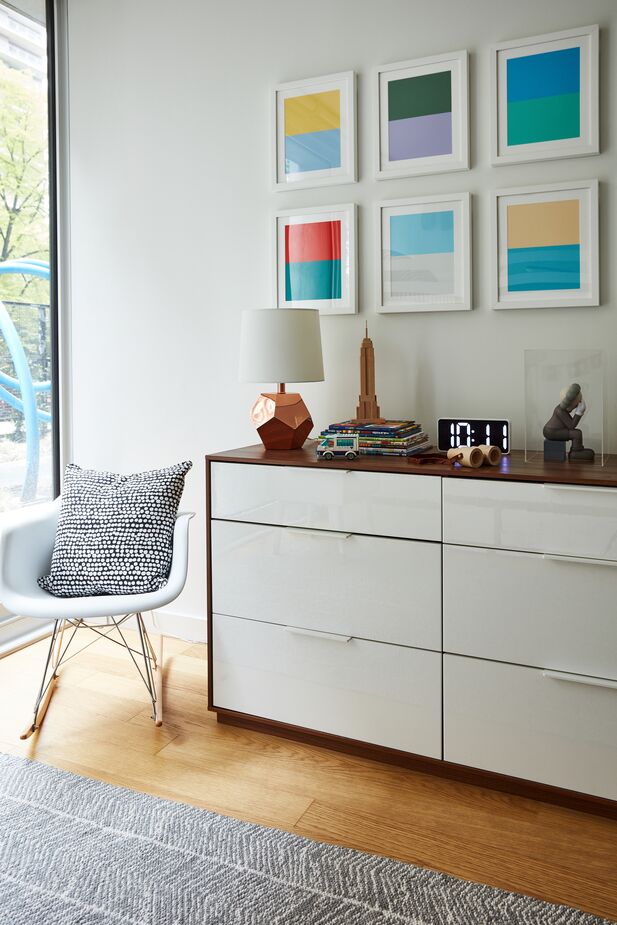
282, 420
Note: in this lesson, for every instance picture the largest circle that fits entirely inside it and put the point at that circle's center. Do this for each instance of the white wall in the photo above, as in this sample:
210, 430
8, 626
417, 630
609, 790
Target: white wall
171, 230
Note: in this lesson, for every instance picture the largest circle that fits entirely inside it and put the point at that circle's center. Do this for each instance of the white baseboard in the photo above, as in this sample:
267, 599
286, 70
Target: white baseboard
186, 626
18, 632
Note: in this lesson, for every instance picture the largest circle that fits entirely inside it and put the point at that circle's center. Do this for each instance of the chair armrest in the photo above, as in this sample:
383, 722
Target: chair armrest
180, 555
26, 545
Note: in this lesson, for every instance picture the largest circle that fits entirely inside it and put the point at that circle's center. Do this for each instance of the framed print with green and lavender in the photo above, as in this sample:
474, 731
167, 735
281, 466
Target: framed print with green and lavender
423, 116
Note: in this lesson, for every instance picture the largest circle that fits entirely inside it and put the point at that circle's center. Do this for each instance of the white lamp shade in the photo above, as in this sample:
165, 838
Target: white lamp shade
281, 345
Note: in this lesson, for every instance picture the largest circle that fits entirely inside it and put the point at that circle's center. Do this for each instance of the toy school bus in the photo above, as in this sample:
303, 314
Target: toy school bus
345, 445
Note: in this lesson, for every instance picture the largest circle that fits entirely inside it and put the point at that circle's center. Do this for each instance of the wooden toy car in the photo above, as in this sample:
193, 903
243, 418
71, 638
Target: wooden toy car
344, 445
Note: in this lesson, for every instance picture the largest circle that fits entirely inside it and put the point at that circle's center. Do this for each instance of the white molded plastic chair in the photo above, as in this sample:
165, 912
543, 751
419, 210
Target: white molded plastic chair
26, 545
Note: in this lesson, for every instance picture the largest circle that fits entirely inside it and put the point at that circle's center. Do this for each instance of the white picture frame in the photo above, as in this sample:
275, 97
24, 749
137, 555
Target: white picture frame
520, 116
526, 274
415, 133
332, 290
424, 269
305, 135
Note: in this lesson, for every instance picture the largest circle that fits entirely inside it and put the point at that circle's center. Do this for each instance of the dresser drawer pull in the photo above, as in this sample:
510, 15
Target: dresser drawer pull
580, 559
327, 533
330, 637
580, 679
598, 489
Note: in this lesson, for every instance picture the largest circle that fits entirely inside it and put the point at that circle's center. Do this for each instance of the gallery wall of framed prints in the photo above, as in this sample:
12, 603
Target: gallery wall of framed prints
544, 98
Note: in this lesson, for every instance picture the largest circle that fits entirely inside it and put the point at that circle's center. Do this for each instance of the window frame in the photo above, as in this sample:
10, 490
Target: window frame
17, 631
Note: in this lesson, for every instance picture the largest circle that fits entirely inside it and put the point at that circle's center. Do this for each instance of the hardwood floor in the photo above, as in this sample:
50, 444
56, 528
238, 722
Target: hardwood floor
99, 725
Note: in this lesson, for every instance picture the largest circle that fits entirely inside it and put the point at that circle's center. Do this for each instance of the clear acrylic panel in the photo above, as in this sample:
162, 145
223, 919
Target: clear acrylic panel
547, 373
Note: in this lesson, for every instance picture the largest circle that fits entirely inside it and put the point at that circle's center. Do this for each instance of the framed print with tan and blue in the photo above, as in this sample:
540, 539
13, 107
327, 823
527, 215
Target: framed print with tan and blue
546, 246
315, 132
545, 97
422, 108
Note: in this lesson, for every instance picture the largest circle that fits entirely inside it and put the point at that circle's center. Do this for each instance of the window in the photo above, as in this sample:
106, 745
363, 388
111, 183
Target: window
28, 419
29, 445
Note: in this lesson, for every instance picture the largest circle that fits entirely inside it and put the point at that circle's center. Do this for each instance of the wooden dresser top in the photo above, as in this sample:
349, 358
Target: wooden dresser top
512, 468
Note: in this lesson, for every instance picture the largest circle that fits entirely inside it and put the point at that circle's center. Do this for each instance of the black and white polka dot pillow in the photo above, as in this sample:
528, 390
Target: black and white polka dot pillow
115, 532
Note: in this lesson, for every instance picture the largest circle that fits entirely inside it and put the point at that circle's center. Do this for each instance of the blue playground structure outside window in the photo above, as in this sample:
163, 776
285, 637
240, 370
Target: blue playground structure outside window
20, 392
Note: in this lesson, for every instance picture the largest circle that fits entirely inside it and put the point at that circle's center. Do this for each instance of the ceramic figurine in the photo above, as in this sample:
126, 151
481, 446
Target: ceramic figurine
564, 426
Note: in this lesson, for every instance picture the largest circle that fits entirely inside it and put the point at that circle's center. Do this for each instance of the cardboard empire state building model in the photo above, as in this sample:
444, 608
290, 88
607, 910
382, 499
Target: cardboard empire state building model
367, 411
368, 433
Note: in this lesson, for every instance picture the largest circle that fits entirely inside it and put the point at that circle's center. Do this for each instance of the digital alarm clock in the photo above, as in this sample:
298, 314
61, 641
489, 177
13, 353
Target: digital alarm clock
453, 432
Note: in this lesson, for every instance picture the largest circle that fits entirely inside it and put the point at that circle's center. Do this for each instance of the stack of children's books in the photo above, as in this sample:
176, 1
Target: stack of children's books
386, 438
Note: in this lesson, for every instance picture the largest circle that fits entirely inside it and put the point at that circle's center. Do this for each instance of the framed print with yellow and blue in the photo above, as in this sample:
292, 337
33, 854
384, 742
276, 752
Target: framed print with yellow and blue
545, 97
315, 265
315, 132
546, 246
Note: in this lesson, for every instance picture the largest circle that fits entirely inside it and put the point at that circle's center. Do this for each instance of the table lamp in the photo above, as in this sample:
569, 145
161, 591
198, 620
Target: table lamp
281, 345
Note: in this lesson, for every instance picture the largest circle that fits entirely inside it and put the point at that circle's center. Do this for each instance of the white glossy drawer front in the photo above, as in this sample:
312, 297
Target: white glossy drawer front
383, 694
371, 587
564, 519
558, 730
382, 504
532, 609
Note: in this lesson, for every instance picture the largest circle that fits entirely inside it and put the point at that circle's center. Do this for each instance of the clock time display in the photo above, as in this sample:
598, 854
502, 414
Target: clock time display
453, 432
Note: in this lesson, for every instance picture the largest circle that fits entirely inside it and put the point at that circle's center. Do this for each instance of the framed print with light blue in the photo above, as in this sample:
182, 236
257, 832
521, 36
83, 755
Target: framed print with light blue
425, 254
546, 246
545, 97
315, 132
316, 259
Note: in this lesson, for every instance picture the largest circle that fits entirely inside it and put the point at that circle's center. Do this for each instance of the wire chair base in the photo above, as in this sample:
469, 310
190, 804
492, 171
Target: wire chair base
150, 673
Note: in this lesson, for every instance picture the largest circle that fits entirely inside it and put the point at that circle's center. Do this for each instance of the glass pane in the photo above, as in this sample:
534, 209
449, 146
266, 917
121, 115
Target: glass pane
26, 458
548, 376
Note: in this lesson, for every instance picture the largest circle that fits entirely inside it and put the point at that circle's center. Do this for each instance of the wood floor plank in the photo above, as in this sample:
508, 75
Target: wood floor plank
99, 725
219, 792
465, 858
394, 795
197, 651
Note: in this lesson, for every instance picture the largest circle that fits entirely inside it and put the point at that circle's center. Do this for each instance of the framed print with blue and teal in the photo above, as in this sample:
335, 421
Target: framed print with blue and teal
315, 132
424, 254
422, 108
316, 259
546, 246
545, 97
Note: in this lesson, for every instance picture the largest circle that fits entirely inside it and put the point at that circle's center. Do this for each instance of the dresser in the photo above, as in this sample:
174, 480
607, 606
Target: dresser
456, 621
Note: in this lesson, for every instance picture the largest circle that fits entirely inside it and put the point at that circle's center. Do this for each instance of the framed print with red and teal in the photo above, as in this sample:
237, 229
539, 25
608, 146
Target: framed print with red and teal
545, 97
316, 259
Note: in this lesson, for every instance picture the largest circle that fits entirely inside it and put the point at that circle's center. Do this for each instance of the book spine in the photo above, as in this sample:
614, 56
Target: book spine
384, 441
373, 434
374, 431
365, 451
401, 444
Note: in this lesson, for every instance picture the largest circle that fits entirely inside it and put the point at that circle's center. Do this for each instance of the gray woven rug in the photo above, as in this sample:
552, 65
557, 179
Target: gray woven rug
79, 852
